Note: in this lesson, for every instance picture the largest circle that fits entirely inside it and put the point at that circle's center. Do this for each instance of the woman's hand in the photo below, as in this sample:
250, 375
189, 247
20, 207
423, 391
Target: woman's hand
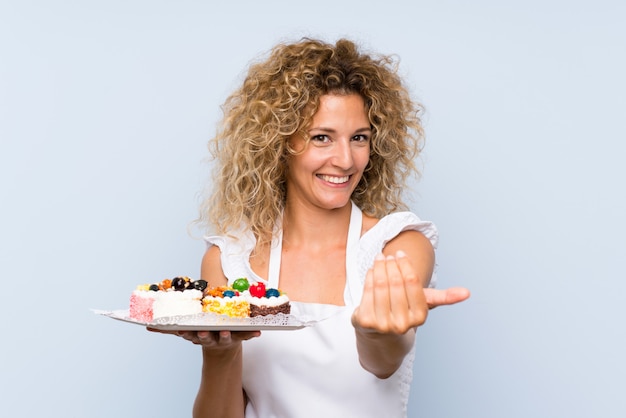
216, 340
393, 300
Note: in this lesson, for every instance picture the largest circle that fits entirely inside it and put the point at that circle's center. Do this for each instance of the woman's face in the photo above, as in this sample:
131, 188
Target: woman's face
328, 170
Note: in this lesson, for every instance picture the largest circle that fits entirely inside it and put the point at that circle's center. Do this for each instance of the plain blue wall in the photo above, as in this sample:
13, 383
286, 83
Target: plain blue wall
105, 111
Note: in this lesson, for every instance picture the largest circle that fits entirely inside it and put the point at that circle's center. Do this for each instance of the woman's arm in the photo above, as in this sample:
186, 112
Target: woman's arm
221, 392
395, 303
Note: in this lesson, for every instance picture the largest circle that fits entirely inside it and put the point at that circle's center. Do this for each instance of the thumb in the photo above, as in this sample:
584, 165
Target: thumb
437, 297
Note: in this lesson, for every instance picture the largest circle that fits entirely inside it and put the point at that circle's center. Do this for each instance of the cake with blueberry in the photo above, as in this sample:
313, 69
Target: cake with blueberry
245, 299
224, 300
178, 296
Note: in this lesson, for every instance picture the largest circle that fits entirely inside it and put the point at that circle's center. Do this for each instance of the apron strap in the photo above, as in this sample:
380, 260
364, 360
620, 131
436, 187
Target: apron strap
276, 250
354, 288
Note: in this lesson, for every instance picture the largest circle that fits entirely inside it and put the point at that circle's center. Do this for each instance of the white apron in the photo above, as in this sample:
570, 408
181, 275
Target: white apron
315, 371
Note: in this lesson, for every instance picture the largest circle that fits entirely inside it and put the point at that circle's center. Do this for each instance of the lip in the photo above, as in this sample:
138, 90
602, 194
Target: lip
336, 180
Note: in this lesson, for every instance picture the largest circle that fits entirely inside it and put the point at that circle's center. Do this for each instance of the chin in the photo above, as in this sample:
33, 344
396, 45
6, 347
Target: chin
334, 204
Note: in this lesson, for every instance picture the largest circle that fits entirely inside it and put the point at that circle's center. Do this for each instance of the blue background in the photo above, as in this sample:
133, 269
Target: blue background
105, 111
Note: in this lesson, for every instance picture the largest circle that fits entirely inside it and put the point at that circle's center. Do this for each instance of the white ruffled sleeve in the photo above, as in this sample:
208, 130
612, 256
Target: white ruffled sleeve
235, 255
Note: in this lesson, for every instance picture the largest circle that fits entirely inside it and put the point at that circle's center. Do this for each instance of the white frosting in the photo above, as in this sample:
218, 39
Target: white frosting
271, 301
172, 303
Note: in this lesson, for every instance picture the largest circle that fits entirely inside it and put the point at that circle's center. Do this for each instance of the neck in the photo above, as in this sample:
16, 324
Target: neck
306, 226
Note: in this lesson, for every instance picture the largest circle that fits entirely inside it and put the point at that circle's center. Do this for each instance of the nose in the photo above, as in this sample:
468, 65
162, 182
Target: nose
342, 155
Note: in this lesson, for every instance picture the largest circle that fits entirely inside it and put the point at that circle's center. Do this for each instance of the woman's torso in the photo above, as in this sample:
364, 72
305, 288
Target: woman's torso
316, 370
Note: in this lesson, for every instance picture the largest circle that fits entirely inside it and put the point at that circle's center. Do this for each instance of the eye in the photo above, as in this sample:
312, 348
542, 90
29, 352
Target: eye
360, 138
320, 138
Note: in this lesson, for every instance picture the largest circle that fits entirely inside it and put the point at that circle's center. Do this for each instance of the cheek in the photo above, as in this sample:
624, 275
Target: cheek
307, 161
363, 158
298, 165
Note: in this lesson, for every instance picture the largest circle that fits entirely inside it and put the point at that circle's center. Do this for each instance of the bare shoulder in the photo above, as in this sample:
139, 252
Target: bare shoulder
211, 269
410, 240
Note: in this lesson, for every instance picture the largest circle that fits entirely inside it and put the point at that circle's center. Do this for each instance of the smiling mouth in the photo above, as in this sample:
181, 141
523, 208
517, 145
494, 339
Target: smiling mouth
334, 179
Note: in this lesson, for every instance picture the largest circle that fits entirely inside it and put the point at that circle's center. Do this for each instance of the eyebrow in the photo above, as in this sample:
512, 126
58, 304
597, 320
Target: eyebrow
331, 130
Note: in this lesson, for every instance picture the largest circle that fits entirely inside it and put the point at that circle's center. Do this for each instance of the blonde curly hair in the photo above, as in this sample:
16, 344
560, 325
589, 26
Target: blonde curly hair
278, 99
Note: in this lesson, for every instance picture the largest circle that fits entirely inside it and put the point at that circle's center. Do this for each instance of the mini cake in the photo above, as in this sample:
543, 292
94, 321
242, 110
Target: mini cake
244, 299
179, 296
267, 301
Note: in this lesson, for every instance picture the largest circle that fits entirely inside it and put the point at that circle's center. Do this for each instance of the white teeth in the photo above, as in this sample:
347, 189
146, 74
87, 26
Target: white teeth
335, 180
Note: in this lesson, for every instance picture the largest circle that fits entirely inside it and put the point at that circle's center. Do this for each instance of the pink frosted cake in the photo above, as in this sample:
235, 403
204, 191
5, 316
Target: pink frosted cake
179, 296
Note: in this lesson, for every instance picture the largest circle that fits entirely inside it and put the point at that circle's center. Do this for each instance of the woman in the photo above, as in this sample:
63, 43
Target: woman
312, 156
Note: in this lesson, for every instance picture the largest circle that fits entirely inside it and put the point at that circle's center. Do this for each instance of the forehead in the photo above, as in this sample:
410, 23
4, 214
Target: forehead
340, 107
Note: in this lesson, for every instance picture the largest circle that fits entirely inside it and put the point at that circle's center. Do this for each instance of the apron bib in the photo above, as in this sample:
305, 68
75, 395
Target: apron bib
315, 371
